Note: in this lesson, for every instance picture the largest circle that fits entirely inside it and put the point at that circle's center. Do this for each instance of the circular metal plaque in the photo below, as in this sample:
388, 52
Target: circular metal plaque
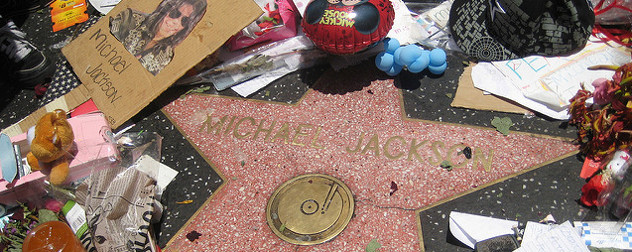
310, 209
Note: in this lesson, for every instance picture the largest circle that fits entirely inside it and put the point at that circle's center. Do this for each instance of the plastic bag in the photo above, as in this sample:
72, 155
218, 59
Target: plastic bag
616, 198
612, 21
288, 55
278, 22
613, 12
120, 203
432, 18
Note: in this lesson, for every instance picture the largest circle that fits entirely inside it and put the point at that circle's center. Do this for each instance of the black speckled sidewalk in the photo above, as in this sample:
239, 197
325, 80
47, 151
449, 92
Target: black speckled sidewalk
550, 186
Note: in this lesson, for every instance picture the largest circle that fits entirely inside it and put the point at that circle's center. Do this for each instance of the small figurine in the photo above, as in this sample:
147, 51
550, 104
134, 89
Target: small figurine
52, 137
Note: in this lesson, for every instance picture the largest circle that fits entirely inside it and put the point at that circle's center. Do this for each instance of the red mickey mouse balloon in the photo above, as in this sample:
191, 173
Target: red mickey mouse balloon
347, 26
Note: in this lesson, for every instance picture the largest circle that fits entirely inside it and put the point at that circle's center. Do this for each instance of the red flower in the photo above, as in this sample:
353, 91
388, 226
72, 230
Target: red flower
53, 205
603, 91
606, 128
591, 192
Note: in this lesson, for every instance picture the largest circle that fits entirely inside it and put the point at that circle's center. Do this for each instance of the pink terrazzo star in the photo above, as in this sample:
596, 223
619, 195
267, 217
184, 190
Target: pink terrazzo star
360, 137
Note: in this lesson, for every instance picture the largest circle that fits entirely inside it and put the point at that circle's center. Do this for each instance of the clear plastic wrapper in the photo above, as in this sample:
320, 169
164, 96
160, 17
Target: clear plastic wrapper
279, 21
432, 17
120, 203
289, 54
93, 149
613, 12
613, 21
616, 198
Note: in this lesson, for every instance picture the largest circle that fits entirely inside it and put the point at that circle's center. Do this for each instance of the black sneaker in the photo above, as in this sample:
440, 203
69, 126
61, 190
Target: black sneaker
13, 8
19, 60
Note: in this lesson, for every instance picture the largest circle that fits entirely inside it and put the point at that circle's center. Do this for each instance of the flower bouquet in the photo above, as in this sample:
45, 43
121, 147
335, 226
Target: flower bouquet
604, 122
23, 220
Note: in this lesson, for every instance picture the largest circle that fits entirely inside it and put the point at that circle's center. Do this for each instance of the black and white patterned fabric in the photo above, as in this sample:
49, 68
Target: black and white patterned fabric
64, 78
491, 30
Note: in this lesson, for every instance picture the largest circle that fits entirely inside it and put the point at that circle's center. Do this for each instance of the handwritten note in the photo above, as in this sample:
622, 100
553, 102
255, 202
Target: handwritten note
563, 237
553, 81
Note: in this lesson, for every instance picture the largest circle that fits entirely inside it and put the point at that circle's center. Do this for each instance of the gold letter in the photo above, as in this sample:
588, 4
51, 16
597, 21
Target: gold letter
357, 148
413, 150
299, 132
388, 143
487, 162
236, 130
260, 128
230, 125
435, 148
209, 124
283, 133
375, 146
315, 138
453, 151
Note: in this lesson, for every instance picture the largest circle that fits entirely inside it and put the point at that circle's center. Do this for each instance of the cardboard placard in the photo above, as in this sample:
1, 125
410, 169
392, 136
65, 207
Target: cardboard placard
67, 102
118, 83
468, 96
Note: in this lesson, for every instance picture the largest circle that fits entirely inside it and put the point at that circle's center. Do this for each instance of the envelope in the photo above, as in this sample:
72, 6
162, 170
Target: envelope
470, 228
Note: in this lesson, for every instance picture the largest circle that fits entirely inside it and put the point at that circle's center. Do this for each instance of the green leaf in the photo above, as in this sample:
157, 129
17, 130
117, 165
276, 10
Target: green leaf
199, 90
502, 124
45, 215
449, 95
373, 246
282, 227
446, 164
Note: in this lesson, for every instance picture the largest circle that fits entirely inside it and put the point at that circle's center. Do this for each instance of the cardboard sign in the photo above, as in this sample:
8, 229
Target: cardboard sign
140, 48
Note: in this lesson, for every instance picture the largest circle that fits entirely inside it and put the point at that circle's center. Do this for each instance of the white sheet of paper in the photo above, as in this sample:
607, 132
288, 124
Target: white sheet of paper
563, 237
487, 78
405, 29
248, 87
471, 228
555, 80
104, 6
533, 230
158, 171
545, 84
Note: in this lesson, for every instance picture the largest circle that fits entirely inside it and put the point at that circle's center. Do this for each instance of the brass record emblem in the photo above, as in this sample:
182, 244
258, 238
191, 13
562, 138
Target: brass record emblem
310, 209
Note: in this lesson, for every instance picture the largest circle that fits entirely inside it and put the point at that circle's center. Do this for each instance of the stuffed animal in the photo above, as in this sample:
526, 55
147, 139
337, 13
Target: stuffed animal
52, 137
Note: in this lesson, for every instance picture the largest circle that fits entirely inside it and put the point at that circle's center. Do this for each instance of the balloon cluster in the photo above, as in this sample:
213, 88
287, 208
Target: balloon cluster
395, 57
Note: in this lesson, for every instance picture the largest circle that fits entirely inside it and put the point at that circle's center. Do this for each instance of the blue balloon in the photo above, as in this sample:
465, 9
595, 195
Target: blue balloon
397, 55
438, 69
437, 57
394, 70
420, 63
390, 45
409, 54
384, 61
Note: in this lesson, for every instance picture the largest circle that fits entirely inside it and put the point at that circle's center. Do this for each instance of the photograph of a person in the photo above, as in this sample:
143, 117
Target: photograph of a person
152, 37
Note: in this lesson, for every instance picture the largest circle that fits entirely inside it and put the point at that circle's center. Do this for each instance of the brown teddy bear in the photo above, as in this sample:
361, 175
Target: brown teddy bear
52, 139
